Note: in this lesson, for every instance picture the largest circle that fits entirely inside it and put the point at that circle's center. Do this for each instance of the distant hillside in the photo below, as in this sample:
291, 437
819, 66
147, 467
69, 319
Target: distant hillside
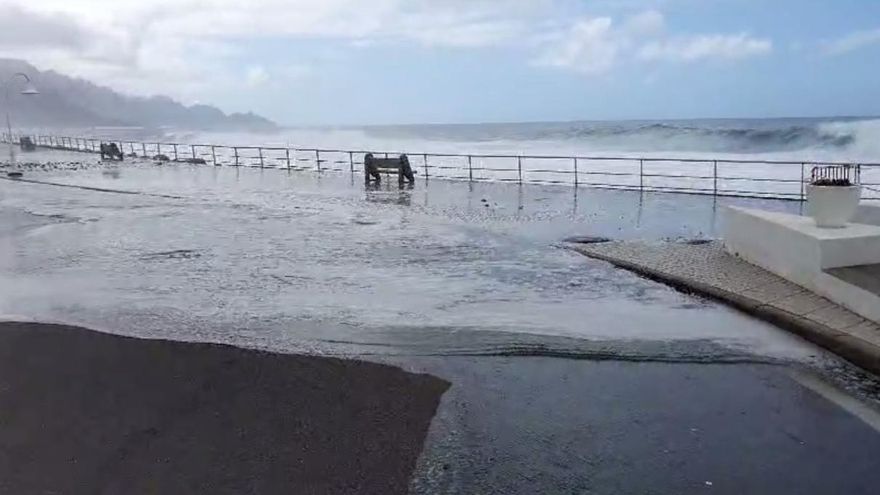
70, 102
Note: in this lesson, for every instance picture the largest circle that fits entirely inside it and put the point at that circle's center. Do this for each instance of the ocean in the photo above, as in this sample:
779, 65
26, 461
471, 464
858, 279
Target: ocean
797, 139
719, 145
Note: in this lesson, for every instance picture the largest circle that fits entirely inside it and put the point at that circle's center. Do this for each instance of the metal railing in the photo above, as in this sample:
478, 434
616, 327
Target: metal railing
719, 177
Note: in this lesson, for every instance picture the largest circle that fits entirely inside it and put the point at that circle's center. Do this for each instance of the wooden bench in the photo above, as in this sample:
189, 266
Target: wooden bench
374, 167
111, 151
27, 144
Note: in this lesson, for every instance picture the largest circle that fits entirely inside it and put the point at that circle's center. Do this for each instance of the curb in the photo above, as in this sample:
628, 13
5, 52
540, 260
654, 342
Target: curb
855, 350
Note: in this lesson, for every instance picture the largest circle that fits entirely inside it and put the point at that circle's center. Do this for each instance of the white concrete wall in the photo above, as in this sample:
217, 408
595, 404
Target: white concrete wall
762, 242
851, 297
792, 247
868, 214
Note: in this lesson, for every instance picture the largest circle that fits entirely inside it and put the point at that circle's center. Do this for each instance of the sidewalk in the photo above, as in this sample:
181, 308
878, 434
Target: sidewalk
707, 269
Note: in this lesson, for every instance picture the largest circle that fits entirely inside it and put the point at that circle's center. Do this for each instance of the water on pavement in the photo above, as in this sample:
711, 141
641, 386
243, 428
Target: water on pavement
302, 261
458, 280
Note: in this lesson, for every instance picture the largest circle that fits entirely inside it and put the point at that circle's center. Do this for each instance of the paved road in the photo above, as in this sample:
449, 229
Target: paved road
548, 425
568, 376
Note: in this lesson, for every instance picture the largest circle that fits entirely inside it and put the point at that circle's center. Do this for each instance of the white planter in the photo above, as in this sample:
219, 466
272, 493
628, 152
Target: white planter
832, 206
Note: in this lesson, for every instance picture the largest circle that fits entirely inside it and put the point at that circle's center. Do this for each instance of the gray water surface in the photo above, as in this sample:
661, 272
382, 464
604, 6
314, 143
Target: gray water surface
309, 262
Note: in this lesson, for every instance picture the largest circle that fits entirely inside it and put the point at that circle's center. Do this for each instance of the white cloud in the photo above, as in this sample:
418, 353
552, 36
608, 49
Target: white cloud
21, 28
191, 49
851, 42
716, 46
594, 46
590, 47
183, 47
647, 23
256, 75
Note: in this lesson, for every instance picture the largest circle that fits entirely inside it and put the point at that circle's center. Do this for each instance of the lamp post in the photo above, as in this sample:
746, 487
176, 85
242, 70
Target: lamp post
29, 89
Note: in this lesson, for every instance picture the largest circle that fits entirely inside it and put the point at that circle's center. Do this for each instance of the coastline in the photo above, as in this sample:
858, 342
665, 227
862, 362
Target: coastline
87, 412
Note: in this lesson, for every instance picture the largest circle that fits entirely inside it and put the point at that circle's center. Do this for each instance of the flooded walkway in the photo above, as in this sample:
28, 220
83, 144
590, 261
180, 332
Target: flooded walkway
568, 375
302, 261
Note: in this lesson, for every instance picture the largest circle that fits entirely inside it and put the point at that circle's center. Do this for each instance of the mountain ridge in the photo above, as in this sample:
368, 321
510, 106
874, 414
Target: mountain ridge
66, 101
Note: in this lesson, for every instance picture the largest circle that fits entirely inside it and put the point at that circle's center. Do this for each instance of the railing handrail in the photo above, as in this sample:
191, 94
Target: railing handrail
783, 177
499, 155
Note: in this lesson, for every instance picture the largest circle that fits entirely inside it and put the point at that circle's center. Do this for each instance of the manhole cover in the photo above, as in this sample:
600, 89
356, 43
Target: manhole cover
586, 239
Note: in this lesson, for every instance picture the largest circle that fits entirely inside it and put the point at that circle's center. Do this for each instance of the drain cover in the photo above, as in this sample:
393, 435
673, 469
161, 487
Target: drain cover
586, 239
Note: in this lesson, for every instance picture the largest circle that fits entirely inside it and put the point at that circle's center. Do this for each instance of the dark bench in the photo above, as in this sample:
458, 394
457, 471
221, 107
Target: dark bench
374, 167
111, 151
27, 144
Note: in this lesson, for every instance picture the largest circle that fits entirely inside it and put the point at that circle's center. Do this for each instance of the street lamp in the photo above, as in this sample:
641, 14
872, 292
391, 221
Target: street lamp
29, 89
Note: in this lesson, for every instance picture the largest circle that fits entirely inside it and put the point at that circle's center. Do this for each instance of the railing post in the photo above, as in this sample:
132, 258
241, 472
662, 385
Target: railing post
519, 168
287, 157
175, 152
575, 172
425, 159
235, 150
260, 151
641, 175
213, 155
715, 177
144, 149
193, 148
318, 159
351, 161
470, 169
803, 192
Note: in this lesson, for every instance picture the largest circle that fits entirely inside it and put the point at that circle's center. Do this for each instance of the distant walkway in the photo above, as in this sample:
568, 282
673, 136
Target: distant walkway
707, 269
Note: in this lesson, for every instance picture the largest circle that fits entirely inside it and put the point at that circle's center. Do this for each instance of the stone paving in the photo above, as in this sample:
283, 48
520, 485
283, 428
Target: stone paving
706, 268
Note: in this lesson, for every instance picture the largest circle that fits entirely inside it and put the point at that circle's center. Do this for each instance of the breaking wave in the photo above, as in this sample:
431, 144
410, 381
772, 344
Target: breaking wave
725, 136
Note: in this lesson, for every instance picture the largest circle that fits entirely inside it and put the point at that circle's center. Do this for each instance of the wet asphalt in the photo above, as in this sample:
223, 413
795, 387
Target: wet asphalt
568, 376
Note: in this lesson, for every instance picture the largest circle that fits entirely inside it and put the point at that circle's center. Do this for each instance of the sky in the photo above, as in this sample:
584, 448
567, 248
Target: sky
338, 62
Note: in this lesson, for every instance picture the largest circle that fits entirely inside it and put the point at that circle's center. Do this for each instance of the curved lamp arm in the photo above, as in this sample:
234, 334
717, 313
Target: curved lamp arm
28, 90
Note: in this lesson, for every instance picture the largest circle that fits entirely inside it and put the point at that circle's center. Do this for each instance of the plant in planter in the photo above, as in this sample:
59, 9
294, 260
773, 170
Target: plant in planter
833, 195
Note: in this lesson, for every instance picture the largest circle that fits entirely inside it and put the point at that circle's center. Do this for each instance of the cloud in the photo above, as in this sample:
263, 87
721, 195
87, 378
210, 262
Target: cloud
256, 75
202, 49
22, 29
851, 42
184, 47
590, 47
694, 48
595, 46
647, 23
